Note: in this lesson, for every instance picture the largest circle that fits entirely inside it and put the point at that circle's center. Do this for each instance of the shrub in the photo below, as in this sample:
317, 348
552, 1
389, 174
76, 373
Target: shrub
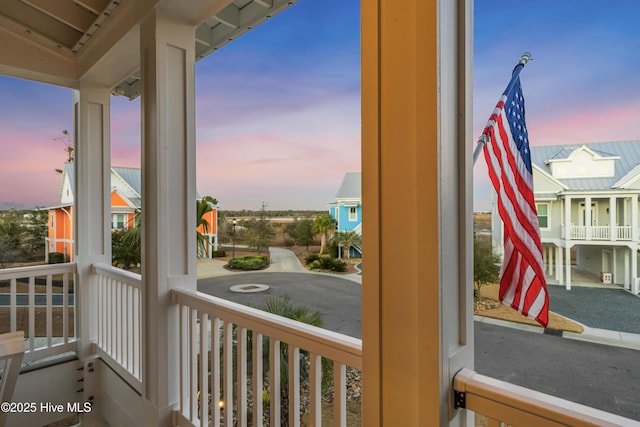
56, 257
326, 263
218, 254
248, 262
333, 264
310, 258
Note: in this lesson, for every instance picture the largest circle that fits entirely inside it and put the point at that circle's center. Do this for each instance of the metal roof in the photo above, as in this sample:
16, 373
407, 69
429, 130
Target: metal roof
131, 176
629, 159
351, 186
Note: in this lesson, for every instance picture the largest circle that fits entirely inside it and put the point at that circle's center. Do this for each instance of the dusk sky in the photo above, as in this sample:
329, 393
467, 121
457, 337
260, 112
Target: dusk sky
278, 110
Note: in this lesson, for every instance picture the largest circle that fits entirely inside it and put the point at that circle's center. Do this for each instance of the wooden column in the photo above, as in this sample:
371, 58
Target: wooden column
92, 213
92, 199
416, 153
169, 198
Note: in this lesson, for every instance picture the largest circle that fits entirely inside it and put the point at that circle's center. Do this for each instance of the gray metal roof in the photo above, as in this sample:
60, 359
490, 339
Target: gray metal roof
131, 176
629, 152
351, 186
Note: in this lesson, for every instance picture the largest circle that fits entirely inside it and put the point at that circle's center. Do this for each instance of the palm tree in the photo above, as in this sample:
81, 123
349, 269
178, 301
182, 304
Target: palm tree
323, 224
301, 313
203, 206
347, 239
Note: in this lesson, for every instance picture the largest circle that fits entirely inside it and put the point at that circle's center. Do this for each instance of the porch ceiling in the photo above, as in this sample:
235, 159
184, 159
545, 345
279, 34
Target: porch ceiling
64, 41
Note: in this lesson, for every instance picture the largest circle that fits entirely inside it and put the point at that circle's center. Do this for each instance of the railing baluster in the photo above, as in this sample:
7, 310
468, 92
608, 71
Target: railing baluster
204, 369
193, 361
137, 351
274, 382
32, 312
241, 361
294, 386
215, 369
339, 394
182, 334
119, 324
13, 303
256, 377
65, 308
49, 309
315, 385
228, 373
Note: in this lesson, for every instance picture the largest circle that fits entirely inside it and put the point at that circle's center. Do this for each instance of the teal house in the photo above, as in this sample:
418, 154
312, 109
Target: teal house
346, 210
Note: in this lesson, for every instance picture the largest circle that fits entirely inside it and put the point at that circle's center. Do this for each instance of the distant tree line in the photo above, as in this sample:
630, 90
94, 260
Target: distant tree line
22, 236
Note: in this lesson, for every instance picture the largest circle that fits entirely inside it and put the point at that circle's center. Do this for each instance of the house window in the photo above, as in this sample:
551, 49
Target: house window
117, 221
543, 214
353, 214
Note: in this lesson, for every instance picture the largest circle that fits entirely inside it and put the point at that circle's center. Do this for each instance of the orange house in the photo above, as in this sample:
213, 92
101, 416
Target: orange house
212, 235
126, 202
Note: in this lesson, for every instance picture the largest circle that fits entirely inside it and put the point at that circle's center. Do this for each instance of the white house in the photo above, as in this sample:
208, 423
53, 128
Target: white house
587, 201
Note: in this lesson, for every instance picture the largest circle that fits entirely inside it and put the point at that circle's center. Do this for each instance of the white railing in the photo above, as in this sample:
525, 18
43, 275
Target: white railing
624, 233
45, 291
119, 321
578, 232
502, 402
228, 339
601, 232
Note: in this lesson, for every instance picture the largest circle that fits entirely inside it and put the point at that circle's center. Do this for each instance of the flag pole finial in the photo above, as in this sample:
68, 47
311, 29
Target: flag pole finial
526, 57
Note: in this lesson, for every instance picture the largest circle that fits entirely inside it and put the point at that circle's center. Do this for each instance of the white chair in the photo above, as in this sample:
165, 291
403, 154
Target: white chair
11, 354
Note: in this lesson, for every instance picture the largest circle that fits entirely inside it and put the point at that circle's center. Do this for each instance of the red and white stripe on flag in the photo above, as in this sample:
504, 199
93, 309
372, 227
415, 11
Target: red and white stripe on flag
506, 151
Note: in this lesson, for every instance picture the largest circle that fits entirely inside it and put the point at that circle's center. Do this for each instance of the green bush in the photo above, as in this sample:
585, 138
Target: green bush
248, 262
333, 264
311, 258
56, 257
315, 262
218, 254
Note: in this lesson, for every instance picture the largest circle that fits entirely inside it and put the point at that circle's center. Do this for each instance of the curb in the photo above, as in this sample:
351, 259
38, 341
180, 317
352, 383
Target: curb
598, 336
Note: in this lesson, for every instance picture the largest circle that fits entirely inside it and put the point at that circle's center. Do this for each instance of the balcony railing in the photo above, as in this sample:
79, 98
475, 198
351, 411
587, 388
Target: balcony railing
119, 321
599, 232
33, 300
235, 360
502, 402
229, 338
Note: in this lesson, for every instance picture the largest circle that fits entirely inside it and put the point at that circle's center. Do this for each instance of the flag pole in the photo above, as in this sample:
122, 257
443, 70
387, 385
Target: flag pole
526, 57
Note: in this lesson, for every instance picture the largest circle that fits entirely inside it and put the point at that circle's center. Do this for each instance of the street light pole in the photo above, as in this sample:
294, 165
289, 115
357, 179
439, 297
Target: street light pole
233, 250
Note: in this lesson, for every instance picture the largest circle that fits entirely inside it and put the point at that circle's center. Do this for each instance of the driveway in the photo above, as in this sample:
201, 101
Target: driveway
604, 308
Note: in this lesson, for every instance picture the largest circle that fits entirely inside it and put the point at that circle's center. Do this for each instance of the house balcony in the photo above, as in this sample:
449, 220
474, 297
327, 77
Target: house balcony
601, 233
296, 371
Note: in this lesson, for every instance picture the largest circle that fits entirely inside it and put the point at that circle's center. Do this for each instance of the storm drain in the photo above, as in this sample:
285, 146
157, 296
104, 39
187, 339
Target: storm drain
249, 288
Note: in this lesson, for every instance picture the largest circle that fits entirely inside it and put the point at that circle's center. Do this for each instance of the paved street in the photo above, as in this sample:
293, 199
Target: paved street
338, 300
603, 376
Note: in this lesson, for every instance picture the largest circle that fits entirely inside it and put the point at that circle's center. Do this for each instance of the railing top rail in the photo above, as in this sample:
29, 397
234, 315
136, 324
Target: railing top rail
504, 401
335, 346
131, 279
36, 270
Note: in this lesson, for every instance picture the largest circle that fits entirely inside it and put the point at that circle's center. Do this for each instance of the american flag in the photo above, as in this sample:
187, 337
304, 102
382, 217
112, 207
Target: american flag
506, 150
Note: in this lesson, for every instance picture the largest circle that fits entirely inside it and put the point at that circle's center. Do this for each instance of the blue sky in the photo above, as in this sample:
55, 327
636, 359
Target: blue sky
278, 110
